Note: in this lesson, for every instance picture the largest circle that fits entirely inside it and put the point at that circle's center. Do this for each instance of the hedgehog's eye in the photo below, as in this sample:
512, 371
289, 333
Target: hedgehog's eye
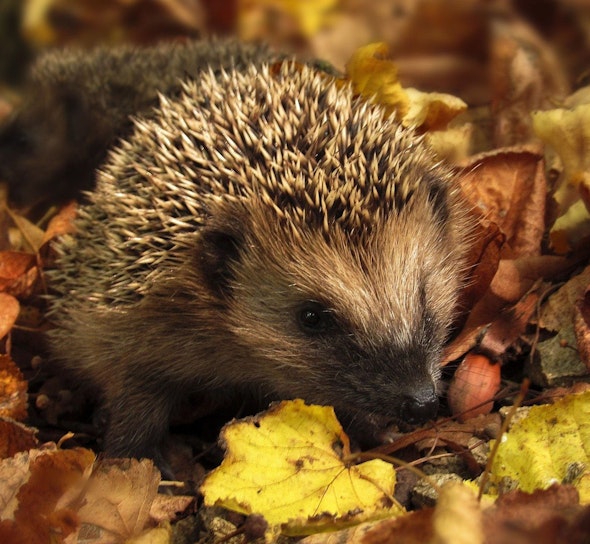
313, 317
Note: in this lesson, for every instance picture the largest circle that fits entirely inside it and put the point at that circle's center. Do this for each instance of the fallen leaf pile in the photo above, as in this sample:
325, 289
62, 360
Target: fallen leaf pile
308, 483
496, 89
55, 495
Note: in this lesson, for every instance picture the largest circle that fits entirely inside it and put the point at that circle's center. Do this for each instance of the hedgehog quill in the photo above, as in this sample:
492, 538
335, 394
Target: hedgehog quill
265, 231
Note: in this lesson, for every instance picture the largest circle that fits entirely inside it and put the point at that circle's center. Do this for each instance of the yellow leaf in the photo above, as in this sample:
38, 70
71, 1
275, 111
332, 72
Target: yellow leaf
373, 75
288, 466
431, 111
567, 131
308, 17
551, 444
35, 22
571, 228
311, 15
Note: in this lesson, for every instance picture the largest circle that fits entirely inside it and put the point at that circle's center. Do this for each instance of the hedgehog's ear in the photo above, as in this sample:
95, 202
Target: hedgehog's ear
219, 248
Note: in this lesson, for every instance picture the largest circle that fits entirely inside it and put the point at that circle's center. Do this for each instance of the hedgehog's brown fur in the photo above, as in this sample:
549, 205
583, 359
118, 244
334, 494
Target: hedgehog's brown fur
78, 102
264, 231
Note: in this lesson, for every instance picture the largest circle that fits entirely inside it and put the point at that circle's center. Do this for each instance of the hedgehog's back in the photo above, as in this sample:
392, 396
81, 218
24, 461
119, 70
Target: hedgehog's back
304, 147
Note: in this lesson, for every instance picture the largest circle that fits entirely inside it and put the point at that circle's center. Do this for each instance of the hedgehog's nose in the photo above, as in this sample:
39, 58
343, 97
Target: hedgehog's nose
419, 409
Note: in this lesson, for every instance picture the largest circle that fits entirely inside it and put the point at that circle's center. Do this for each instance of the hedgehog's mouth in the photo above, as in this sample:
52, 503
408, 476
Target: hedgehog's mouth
370, 430
386, 424
373, 429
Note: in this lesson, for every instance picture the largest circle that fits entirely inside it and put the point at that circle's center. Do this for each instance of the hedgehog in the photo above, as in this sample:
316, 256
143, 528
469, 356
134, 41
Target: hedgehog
266, 232
78, 103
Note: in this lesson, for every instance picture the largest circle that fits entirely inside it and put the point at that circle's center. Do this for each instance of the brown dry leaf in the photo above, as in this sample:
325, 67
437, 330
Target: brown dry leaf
221, 17
18, 272
508, 186
550, 516
556, 393
61, 223
449, 431
558, 310
13, 390
118, 499
32, 484
509, 325
167, 507
558, 359
9, 309
483, 261
5, 108
513, 280
413, 528
457, 519
525, 76
16, 437
582, 327
26, 236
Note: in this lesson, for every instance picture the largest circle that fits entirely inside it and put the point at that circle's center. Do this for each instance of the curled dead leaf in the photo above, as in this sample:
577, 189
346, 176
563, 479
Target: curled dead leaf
9, 310
18, 272
508, 186
15, 437
62, 222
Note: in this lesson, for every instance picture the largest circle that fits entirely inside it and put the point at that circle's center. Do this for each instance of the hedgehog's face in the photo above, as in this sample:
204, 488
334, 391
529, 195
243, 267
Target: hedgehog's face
354, 322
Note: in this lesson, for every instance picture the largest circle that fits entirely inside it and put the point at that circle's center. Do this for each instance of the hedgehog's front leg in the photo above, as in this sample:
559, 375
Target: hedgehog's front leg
138, 422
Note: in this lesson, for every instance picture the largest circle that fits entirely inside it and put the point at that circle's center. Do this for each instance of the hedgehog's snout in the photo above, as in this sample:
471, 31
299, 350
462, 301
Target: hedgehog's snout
419, 399
419, 407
